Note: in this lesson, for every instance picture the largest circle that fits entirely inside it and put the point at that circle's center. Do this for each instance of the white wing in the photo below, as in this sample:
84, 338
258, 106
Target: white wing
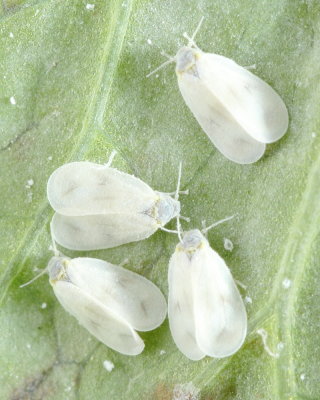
219, 312
93, 232
230, 138
106, 326
251, 101
85, 188
180, 306
127, 294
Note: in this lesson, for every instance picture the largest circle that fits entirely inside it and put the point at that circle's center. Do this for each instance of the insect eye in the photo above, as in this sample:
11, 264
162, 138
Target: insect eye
192, 238
185, 59
56, 268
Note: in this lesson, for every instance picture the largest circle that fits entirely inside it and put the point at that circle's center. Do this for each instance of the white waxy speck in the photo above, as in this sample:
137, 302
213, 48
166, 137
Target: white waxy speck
264, 335
280, 346
90, 6
286, 283
11, 35
248, 300
149, 41
302, 377
313, 134
108, 365
50, 158
13, 101
30, 182
228, 245
162, 352
44, 305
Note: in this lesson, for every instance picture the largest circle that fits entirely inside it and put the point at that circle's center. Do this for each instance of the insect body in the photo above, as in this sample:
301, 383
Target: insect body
206, 313
100, 207
108, 300
239, 112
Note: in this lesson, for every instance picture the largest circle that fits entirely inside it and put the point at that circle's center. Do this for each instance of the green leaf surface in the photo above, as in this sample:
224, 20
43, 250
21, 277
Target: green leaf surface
77, 77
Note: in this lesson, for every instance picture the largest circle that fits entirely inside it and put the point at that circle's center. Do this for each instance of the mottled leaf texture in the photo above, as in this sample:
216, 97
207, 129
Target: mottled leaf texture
74, 87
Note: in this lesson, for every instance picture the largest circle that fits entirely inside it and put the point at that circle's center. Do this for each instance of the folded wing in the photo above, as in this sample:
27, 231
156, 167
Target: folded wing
106, 326
85, 188
93, 232
129, 295
257, 108
220, 315
180, 306
230, 138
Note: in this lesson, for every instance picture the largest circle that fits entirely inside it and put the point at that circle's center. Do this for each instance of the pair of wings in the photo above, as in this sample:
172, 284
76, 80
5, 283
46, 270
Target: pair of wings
206, 313
237, 110
111, 302
99, 207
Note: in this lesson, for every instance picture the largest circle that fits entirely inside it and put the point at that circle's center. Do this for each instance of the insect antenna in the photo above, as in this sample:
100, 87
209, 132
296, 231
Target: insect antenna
55, 252
171, 60
34, 279
205, 230
191, 41
179, 229
167, 230
204, 225
176, 197
111, 157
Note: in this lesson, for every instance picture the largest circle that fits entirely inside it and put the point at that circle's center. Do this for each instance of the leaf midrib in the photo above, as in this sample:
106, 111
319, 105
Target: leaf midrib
94, 116
307, 220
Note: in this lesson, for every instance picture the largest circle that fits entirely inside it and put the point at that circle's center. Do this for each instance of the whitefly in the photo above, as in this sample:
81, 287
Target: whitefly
206, 312
112, 303
99, 207
238, 111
